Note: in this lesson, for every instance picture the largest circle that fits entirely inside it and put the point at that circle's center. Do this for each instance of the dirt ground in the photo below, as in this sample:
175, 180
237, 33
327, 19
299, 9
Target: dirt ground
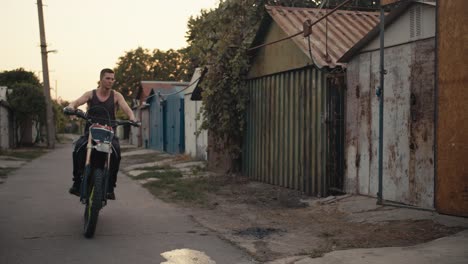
272, 223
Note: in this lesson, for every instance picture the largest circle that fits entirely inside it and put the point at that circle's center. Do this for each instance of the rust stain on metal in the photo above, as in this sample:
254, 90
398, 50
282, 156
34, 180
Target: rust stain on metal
421, 122
408, 123
353, 158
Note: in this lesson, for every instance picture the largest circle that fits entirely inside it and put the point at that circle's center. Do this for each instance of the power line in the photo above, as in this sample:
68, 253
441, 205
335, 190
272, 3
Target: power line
174, 93
302, 31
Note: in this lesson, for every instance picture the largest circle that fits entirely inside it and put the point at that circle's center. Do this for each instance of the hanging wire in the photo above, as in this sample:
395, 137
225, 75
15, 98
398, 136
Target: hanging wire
302, 31
310, 48
169, 94
308, 37
326, 34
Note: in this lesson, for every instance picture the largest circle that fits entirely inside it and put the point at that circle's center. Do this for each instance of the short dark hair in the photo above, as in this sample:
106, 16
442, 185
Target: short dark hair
104, 71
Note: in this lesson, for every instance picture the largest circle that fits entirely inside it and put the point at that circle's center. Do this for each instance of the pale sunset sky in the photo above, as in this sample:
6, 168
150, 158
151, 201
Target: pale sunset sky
89, 35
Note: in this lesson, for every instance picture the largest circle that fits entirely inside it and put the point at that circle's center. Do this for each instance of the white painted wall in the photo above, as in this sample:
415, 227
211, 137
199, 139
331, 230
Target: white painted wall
4, 121
418, 22
4, 128
408, 168
195, 146
135, 132
145, 129
408, 154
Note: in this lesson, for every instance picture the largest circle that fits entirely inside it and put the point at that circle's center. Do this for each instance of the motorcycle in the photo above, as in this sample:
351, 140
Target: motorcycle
95, 179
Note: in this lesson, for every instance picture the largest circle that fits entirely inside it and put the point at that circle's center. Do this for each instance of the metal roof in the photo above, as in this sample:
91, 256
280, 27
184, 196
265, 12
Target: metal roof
331, 37
374, 33
147, 87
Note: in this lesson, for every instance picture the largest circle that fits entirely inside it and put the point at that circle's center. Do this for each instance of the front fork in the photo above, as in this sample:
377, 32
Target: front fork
88, 170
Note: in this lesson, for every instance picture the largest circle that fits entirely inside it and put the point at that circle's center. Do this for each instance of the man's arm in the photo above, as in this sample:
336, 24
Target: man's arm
80, 101
123, 104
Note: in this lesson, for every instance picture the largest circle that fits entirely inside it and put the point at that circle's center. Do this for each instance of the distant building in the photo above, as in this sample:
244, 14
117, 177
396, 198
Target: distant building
160, 107
196, 140
6, 121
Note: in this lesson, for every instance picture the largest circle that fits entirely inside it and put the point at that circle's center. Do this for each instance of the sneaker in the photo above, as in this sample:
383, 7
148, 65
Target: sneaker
110, 196
75, 189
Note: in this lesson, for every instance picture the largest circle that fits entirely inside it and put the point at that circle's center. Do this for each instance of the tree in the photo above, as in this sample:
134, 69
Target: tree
26, 98
61, 120
131, 69
8, 78
27, 102
220, 39
170, 65
142, 64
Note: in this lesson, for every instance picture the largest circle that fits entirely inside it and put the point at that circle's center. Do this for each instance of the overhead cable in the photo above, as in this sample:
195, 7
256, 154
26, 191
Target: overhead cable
302, 31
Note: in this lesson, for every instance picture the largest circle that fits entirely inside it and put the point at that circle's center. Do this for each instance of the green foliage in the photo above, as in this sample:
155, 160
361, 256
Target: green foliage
27, 154
61, 120
168, 174
26, 97
142, 64
176, 189
27, 101
131, 69
170, 65
4, 172
9, 78
219, 39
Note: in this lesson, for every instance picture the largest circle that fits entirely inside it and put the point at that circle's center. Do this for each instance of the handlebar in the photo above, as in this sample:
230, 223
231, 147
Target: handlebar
79, 113
126, 122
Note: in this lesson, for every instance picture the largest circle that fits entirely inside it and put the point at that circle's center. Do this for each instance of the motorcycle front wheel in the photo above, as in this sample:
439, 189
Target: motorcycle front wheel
94, 203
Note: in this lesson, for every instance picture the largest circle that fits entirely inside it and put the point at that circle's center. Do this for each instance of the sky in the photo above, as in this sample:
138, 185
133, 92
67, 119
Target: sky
89, 35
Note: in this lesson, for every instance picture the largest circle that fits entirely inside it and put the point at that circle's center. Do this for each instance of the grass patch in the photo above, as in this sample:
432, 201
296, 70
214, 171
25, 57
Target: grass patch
28, 154
5, 171
167, 175
151, 168
197, 170
62, 139
142, 158
123, 150
178, 190
10, 159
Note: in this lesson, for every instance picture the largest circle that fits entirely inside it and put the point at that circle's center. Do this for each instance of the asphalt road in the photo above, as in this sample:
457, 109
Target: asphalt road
41, 223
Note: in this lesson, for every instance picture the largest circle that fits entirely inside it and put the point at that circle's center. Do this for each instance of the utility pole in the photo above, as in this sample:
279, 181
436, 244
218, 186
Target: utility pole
50, 124
380, 94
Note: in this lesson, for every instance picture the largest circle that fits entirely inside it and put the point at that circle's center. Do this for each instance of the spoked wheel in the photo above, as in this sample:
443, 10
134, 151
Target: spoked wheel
94, 203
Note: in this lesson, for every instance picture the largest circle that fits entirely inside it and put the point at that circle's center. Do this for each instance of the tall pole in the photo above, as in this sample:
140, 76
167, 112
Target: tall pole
50, 124
380, 93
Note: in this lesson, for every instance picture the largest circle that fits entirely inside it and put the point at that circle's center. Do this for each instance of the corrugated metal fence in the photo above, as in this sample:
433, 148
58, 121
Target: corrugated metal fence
285, 140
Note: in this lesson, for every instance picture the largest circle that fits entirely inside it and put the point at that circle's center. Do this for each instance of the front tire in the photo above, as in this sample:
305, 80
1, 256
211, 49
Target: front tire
94, 203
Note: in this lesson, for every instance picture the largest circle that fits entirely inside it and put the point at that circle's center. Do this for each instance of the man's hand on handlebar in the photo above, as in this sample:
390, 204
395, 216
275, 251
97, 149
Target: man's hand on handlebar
68, 110
71, 111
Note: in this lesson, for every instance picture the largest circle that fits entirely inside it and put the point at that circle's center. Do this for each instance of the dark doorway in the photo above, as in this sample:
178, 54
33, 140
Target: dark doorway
335, 125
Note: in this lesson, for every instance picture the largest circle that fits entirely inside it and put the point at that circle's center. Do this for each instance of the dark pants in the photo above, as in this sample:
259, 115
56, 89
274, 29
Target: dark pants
79, 159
